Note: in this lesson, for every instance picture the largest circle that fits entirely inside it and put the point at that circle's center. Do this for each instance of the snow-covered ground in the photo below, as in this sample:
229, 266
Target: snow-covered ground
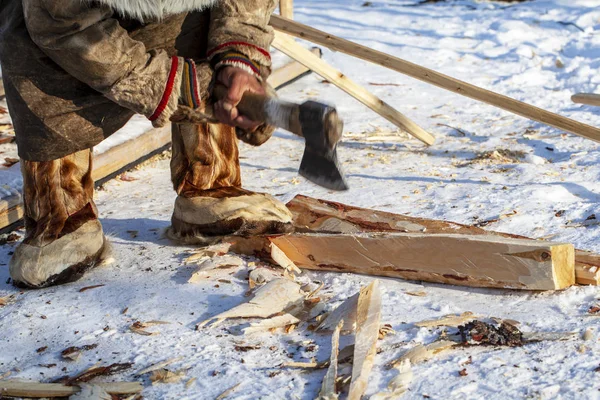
542, 182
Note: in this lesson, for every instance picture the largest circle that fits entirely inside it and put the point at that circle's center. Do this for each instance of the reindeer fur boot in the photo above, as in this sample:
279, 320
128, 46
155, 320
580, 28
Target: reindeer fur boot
211, 203
63, 235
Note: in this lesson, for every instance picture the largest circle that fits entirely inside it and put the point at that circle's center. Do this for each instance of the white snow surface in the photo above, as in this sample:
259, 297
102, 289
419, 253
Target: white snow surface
513, 49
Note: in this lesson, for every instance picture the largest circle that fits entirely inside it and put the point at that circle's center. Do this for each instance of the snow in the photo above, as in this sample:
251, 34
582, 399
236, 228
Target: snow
509, 48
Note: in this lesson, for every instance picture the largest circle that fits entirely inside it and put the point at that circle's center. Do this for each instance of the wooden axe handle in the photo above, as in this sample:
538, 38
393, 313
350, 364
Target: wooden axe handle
289, 116
262, 108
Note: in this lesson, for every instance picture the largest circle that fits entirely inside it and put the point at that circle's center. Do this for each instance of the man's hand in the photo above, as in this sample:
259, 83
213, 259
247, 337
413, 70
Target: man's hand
237, 81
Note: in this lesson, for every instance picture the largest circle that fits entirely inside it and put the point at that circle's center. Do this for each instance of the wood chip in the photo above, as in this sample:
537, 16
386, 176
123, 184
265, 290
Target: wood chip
368, 318
165, 376
4, 301
83, 289
282, 260
29, 389
588, 334
228, 392
279, 321
448, 320
159, 365
416, 294
207, 252
139, 327
399, 384
216, 268
190, 382
72, 353
95, 372
300, 364
346, 312
328, 387
420, 353
274, 297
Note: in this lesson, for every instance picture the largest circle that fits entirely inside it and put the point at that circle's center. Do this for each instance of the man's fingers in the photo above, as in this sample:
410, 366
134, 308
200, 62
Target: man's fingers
246, 123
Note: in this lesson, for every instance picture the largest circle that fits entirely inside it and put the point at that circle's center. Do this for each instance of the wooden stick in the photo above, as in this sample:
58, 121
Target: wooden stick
294, 50
290, 72
435, 78
16, 388
466, 260
326, 216
590, 99
286, 8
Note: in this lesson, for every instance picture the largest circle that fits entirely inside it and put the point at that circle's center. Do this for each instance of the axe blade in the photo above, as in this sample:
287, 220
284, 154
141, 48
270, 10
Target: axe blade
322, 129
322, 169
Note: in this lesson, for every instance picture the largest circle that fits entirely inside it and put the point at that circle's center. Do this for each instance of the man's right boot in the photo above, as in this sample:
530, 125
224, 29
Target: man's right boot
63, 237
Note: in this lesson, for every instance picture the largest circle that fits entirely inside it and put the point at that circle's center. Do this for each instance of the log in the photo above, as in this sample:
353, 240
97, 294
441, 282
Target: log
286, 8
294, 50
16, 388
312, 215
591, 99
291, 72
466, 260
433, 77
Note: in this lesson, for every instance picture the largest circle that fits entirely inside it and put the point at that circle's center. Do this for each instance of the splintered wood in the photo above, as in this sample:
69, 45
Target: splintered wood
368, 318
272, 298
321, 216
479, 261
328, 391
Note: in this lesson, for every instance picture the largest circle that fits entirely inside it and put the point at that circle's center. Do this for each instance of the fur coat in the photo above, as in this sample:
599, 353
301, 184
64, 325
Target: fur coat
75, 71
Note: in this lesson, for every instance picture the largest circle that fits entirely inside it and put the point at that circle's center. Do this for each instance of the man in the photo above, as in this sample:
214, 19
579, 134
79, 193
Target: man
75, 71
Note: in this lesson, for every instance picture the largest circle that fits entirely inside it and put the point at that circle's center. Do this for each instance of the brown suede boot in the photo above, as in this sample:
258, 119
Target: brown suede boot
63, 235
205, 171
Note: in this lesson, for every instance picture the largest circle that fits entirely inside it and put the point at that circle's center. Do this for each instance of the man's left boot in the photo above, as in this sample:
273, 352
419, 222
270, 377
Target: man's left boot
211, 203
63, 237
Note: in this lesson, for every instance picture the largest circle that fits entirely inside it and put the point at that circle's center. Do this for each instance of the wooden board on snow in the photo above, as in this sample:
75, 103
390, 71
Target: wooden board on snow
467, 260
314, 215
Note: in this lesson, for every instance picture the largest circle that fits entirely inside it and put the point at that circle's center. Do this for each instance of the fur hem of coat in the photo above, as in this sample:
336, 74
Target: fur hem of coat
154, 9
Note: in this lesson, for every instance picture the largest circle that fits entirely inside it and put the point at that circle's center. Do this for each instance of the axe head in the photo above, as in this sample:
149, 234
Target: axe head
322, 129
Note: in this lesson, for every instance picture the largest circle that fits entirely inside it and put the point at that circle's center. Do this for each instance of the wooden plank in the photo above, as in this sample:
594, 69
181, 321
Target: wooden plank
290, 72
315, 215
435, 78
294, 50
466, 260
41, 390
286, 8
118, 157
590, 99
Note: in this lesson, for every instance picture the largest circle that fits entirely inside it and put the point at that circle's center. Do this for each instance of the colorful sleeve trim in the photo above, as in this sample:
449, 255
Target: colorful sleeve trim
224, 45
168, 90
190, 94
238, 60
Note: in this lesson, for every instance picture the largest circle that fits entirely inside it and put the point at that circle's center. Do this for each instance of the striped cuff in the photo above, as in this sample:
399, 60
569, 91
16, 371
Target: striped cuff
190, 95
235, 59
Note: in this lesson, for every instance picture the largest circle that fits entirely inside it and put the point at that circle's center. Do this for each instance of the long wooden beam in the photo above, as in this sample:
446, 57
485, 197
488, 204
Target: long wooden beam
294, 50
466, 260
435, 78
314, 215
291, 72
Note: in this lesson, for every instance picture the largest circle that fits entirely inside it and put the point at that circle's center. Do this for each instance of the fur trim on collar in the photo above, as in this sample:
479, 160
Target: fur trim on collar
155, 9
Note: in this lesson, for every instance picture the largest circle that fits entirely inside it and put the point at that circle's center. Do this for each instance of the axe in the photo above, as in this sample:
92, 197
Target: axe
318, 123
